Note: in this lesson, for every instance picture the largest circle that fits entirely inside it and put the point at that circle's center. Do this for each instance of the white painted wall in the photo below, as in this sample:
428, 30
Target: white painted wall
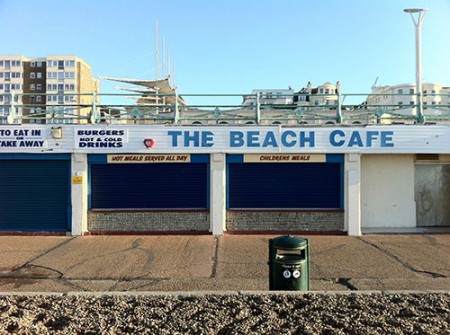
79, 194
352, 191
218, 193
387, 191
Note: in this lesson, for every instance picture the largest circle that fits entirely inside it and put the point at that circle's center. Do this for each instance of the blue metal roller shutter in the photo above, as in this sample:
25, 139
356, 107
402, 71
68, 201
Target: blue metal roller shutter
284, 186
149, 186
34, 195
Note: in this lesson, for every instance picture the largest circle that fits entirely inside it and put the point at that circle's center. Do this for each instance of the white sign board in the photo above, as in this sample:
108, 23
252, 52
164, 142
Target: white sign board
139, 139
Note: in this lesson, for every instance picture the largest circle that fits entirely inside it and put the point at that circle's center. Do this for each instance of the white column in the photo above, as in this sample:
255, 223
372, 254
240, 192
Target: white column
79, 194
353, 194
218, 193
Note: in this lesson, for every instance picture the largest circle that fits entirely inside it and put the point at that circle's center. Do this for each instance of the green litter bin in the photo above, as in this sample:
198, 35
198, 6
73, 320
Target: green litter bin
289, 263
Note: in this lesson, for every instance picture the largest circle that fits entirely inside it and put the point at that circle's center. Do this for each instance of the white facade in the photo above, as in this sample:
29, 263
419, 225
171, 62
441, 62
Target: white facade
402, 99
322, 95
11, 81
61, 81
387, 191
405, 94
270, 97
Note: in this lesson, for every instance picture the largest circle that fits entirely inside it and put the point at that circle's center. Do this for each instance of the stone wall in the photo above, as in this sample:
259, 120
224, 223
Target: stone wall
285, 220
151, 221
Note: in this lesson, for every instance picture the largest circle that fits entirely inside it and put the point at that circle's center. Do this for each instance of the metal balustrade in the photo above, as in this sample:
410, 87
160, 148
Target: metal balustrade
317, 109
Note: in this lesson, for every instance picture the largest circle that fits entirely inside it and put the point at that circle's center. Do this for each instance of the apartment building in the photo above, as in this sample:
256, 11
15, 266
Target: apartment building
269, 96
11, 81
325, 94
405, 95
53, 89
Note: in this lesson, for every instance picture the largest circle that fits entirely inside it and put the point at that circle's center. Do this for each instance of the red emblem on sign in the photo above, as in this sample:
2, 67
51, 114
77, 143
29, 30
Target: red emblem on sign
149, 143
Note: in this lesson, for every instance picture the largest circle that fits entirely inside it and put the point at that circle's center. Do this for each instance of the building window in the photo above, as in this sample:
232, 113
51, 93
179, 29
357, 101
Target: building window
15, 74
15, 63
32, 75
60, 87
39, 87
411, 91
39, 64
1, 87
38, 98
39, 75
60, 75
15, 86
7, 76
32, 87
1, 63
33, 64
69, 63
400, 91
411, 102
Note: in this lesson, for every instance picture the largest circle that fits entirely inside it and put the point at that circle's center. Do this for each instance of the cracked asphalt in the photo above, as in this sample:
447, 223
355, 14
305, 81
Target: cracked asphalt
229, 263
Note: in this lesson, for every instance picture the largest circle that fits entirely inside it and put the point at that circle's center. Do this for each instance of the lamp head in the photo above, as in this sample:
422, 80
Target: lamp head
415, 10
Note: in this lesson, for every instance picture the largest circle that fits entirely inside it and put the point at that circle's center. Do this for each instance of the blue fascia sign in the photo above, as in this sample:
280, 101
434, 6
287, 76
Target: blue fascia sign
286, 139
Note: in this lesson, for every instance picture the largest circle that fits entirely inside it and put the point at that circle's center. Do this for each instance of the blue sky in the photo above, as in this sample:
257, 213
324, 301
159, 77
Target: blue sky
237, 45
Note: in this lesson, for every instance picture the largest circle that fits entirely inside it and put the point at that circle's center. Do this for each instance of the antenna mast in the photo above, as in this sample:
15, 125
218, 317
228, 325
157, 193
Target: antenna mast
156, 53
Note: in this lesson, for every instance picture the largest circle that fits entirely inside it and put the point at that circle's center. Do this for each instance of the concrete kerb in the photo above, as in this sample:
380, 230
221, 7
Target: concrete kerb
181, 294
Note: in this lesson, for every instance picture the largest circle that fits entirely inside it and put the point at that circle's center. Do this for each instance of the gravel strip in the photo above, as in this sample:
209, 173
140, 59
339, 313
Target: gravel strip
232, 313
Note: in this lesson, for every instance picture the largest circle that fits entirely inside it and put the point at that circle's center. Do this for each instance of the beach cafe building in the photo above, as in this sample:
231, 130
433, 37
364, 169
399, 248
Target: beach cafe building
120, 179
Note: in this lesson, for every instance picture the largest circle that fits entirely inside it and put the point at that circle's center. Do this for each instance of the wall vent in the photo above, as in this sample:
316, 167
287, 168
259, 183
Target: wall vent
427, 157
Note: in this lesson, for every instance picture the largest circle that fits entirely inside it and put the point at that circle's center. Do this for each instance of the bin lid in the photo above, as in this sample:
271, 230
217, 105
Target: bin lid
289, 242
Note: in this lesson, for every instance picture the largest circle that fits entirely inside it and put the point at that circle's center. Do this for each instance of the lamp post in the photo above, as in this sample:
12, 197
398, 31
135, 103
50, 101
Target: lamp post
417, 15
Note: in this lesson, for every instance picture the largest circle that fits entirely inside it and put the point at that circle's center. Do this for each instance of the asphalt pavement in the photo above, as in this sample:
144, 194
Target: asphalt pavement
229, 263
